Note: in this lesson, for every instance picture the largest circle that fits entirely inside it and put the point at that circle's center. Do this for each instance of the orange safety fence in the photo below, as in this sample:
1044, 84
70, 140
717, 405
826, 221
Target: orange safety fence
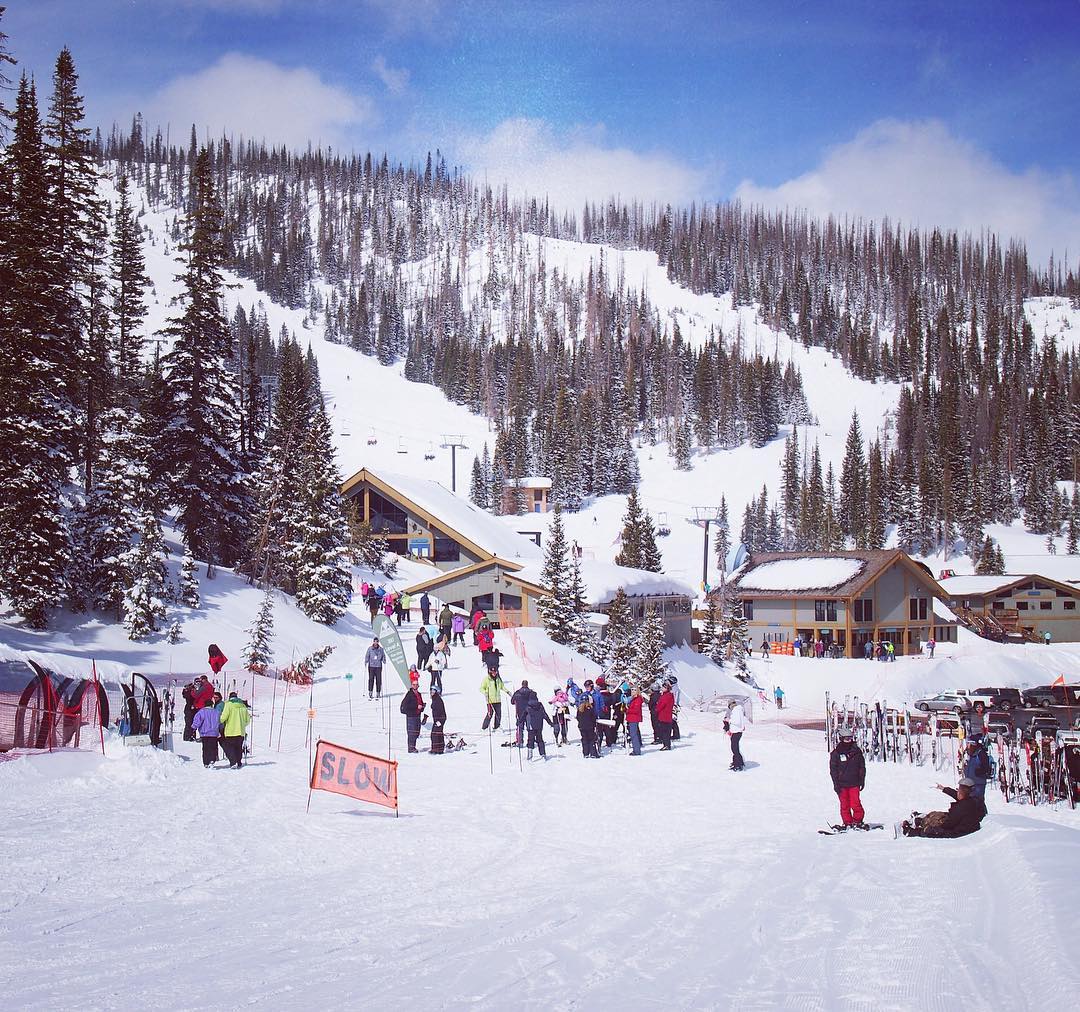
549, 664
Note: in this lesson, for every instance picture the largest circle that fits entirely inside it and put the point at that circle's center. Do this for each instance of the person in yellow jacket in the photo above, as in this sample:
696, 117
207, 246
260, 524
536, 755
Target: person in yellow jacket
492, 687
234, 721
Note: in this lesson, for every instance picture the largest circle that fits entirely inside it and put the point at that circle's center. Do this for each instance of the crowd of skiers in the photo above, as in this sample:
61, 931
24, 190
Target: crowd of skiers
847, 767
389, 602
217, 721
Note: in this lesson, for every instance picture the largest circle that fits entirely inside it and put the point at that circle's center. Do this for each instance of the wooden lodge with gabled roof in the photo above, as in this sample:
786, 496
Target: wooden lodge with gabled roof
471, 551
845, 599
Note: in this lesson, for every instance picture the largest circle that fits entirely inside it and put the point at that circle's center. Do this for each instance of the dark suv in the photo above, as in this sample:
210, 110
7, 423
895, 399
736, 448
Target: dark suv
1002, 699
1051, 695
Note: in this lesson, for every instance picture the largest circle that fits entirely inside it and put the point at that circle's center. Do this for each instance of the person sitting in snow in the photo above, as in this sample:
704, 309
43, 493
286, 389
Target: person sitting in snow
964, 816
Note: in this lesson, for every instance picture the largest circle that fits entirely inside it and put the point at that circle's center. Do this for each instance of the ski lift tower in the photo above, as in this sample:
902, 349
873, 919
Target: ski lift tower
703, 516
453, 444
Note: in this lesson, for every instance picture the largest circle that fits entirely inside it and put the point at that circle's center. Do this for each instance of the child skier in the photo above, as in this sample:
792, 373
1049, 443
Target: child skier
847, 767
560, 704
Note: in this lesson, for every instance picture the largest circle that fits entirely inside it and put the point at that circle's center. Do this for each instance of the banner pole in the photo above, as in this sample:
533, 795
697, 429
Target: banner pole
273, 710
349, 683
97, 701
491, 752
281, 721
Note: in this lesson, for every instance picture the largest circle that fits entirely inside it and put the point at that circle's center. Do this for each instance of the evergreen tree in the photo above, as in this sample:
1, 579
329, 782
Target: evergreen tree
479, 486
366, 548
683, 445
1073, 544
258, 652
201, 440
173, 634
321, 552
651, 560
556, 605
129, 287
736, 628
852, 513
144, 598
631, 552
712, 644
722, 539
620, 635
35, 411
189, 582
649, 664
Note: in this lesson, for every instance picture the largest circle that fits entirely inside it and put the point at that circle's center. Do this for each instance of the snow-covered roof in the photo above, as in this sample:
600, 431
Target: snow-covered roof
975, 586
458, 514
534, 481
942, 610
602, 581
810, 573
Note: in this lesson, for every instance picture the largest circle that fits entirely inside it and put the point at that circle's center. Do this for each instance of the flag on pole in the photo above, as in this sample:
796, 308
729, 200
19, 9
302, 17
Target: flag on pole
1060, 680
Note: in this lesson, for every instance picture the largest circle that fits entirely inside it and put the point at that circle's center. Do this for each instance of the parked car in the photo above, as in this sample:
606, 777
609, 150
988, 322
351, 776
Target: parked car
999, 722
948, 702
1001, 698
1052, 695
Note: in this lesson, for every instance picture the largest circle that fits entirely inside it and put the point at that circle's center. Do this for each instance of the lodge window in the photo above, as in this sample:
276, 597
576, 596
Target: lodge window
917, 609
997, 606
386, 518
1021, 606
1044, 605
824, 611
446, 549
511, 602
748, 610
1070, 606
864, 610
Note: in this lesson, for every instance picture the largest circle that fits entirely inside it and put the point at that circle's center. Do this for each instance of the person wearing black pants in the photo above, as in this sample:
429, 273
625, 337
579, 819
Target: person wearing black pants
735, 724
586, 722
374, 658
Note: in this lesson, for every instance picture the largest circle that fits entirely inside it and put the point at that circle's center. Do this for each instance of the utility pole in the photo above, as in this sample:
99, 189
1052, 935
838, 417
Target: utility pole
703, 516
453, 444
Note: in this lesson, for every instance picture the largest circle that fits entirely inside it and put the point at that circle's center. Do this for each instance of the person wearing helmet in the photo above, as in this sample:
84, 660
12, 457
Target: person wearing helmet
977, 766
847, 766
560, 704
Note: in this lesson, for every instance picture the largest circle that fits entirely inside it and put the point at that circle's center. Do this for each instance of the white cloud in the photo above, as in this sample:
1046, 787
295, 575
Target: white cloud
242, 95
918, 173
530, 158
405, 16
396, 79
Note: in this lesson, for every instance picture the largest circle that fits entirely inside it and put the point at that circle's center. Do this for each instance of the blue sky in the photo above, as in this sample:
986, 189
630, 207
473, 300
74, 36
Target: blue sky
958, 113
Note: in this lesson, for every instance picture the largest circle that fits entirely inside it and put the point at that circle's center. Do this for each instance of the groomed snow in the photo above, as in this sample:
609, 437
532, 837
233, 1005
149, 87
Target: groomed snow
801, 574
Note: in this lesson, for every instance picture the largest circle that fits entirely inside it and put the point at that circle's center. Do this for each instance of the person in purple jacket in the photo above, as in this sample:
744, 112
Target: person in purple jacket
208, 723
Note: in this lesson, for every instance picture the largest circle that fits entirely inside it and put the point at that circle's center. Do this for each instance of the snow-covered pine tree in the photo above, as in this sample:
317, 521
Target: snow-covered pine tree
734, 623
649, 664
189, 582
852, 511
174, 631
36, 358
722, 538
258, 652
479, 485
321, 552
1073, 524
585, 639
556, 606
651, 560
711, 639
683, 445
201, 440
620, 635
366, 547
129, 287
630, 552
144, 598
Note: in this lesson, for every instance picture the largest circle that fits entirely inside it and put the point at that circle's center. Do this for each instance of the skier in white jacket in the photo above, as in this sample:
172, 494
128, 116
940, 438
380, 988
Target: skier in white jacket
735, 724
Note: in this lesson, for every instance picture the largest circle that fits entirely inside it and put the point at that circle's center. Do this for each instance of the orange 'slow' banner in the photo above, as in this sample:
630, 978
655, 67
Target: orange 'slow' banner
342, 770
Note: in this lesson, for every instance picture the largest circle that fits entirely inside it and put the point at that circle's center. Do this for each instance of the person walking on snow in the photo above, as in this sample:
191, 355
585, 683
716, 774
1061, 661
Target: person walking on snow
633, 721
412, 706
425, 608
931, 644
446, 619
234, 722
847, 767
374, 659
435, 665
735, 724
535, 718
457, 630
208, 723
492, 687
520, 700
424, 647
560, 703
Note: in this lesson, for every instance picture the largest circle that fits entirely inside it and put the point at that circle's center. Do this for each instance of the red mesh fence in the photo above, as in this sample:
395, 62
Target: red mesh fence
45, 717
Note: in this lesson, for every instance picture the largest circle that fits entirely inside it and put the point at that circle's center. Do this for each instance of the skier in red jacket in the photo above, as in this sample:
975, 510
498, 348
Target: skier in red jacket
665, 714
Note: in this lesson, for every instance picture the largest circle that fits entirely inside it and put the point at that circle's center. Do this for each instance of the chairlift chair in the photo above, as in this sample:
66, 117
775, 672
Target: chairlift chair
430, 455
663, 528
372, 439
